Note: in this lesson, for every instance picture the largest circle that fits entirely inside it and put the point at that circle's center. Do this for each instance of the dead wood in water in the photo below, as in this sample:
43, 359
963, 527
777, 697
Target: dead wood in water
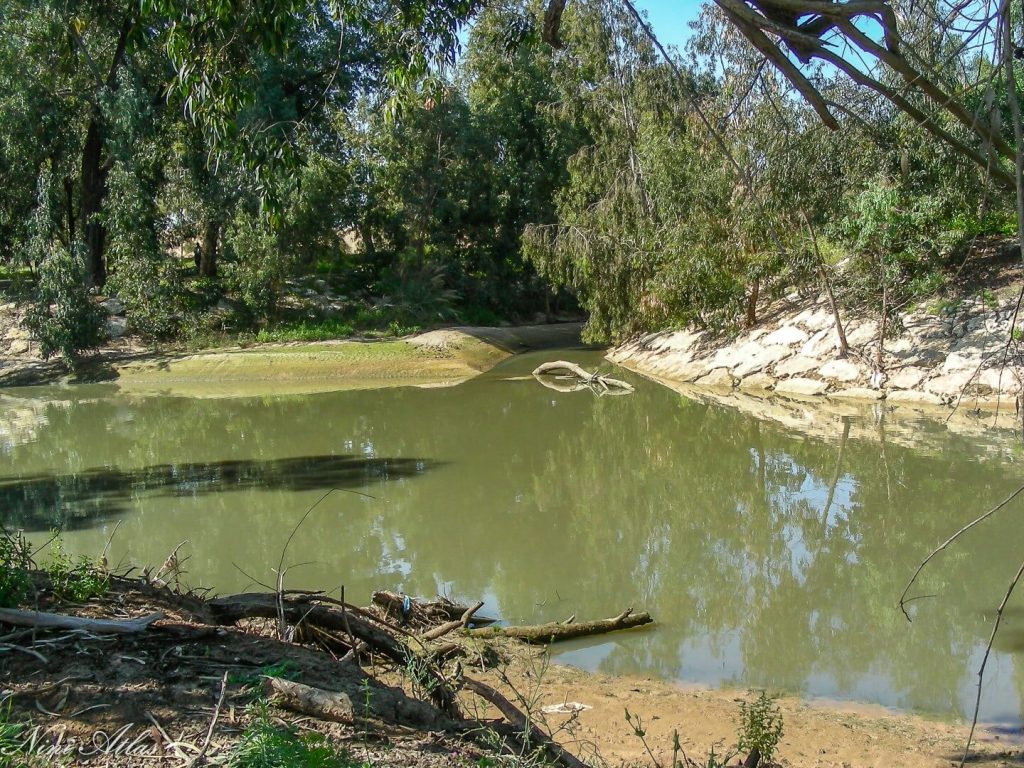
579, 379
425, 612
554, 632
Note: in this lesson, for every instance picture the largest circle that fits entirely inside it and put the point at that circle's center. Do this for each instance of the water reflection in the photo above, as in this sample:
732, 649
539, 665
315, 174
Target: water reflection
771, 557
78, 499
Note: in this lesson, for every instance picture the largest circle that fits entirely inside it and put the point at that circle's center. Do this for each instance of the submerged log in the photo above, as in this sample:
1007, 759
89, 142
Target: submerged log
543, 634
582, 378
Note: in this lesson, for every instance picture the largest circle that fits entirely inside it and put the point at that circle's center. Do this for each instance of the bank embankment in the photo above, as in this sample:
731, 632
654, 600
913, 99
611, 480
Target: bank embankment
436, 358
945, 355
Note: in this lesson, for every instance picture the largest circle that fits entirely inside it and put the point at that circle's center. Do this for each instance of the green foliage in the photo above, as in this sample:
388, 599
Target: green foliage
257, 266
15, 561
760, 727
73, 579
266, 745
307, 330
14, 749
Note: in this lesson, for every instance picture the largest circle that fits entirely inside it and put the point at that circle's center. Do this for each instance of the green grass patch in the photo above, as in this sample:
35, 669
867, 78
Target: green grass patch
307, 330
266, 745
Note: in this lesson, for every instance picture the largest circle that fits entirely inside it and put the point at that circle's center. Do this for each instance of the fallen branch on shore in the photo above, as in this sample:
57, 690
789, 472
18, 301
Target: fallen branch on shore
579, 379
44, 620
554, 632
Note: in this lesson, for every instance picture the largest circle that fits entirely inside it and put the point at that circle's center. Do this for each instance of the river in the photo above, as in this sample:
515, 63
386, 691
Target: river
770, 557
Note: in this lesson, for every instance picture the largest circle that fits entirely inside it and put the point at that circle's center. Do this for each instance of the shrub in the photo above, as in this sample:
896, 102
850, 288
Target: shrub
15, 560
257, 267
75, 580
760, 727
265, 745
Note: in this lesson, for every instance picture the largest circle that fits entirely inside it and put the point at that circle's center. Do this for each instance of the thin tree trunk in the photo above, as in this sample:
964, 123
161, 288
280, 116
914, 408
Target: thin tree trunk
69, 205
208, 253
94, 187
755, 290
844, 348
882, 323
94, 173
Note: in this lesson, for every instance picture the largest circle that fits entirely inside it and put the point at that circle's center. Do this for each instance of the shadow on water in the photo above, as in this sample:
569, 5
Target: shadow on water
78, 500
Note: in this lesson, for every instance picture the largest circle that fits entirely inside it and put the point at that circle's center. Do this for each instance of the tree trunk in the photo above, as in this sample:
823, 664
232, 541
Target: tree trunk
94, 172
94, 188
208, 258
755, 290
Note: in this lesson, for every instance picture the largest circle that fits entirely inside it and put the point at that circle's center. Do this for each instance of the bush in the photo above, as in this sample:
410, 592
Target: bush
760, 727
257, 266
265, 745
64, 318
75, 580
15, 560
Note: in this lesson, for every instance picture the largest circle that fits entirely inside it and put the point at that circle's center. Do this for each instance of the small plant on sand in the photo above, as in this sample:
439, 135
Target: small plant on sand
760, 728
267, 745
75, 580
15, 560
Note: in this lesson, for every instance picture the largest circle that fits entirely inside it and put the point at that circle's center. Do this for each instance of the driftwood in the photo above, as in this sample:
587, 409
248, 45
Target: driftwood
542, 634
579, 379
451, 626
324, 705
426, 611
521, 723
298, 609
59, 621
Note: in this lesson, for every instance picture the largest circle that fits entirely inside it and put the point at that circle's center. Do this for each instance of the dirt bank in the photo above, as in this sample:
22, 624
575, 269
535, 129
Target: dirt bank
186, 684
436, 358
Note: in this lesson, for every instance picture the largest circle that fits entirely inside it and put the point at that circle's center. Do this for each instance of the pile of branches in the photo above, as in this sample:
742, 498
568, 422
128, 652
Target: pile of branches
423, 640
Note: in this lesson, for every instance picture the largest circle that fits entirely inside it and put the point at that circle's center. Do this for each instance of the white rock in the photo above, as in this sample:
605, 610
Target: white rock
113, 306
18, 347
980, 343
841, 370
913, 397
786, 335
17, 332
116, 327
758, 381
820, 344
961, 361
720, 378
907, 378
1006, 383
687, 371
760, 359
950, 384
795, 366
800, 386
861, 332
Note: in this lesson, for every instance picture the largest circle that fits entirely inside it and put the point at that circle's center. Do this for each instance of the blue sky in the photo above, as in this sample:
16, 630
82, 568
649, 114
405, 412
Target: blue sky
671, 18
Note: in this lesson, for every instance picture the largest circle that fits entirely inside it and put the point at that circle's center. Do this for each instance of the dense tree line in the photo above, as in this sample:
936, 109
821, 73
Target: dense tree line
351, 140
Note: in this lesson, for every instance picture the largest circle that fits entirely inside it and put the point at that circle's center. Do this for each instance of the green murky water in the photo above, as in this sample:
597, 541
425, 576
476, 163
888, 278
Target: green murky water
769, 557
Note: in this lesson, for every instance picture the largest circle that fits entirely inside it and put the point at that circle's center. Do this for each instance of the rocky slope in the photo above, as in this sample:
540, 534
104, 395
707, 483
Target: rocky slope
950, 352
